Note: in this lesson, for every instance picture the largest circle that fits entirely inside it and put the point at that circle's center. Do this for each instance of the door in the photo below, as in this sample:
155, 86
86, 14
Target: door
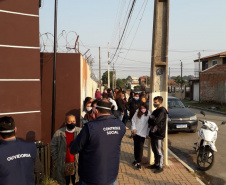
196, 92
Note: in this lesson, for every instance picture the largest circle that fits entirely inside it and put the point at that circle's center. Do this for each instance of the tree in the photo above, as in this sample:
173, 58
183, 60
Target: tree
178, 81
129, 79
121, 83
105, 78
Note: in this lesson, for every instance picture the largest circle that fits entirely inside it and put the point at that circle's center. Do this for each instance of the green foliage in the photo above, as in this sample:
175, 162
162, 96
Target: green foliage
178, 80
105, 78
120, 83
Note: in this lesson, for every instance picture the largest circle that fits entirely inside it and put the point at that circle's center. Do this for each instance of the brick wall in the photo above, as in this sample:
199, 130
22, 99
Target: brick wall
213, 84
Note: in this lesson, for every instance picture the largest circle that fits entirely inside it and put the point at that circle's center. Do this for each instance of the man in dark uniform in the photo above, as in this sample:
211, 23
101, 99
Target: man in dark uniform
17, 158
98, 145
157, 123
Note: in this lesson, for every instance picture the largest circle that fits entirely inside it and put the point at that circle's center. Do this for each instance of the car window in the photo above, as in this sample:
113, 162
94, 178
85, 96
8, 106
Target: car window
175, 103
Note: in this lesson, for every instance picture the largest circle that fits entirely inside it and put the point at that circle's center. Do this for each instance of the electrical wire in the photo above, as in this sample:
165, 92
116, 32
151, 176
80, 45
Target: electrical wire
128, 18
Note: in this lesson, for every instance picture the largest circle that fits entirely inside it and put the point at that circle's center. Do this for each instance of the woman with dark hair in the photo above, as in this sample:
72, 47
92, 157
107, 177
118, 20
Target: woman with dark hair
121, 104
125, 117
140, 132
91, 114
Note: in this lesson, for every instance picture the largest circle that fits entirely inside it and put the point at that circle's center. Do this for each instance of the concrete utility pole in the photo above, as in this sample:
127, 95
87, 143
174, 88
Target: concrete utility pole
99, 71
199, 60
108, 68
159, 63
181, 78
199, 74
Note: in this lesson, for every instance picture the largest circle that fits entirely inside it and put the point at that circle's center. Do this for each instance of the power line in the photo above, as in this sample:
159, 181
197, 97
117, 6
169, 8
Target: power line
128, 18
136, 30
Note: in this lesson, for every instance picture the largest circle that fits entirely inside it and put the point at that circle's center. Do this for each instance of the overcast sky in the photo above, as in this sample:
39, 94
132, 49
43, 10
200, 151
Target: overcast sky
195, 25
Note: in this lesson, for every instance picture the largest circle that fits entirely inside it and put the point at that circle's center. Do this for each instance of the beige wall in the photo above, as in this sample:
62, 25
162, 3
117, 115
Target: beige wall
218, 59
88, 85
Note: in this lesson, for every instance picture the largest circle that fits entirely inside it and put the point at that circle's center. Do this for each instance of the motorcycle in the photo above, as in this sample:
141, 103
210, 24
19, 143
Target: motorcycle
205, 147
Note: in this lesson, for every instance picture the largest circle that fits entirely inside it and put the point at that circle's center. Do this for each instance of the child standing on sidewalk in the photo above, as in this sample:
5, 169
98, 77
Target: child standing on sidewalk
140, 132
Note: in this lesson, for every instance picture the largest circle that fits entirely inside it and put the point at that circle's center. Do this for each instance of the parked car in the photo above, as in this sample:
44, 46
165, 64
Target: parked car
180, 118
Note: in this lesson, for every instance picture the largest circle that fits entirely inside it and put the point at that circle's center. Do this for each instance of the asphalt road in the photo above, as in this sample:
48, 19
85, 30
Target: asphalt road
181, 143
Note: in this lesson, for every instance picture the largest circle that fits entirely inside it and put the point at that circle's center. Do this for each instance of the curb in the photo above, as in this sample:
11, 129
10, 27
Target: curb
191, 106
186, 166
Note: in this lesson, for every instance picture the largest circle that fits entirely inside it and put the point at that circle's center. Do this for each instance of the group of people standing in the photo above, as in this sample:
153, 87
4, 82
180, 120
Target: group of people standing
94, 148
145, 124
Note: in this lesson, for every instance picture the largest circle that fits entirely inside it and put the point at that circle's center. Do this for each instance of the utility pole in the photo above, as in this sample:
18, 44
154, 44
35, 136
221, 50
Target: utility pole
108, 68
181, 69
168, 83
159, 64
99, 71
199, 75
113, 77
54, 70
199, 60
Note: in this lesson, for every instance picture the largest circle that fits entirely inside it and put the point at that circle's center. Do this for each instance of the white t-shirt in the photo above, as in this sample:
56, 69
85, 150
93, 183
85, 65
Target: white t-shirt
141, 124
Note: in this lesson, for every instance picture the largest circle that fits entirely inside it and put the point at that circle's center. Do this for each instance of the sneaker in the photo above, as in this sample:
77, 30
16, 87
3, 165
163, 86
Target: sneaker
138, 166
154, 166
135, 163
158, 170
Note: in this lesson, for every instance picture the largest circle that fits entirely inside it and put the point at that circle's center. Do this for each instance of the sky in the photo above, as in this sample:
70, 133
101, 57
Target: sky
194, 26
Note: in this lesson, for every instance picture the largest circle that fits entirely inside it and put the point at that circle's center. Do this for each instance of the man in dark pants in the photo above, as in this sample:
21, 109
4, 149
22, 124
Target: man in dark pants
18, 159
157, 124
98, 145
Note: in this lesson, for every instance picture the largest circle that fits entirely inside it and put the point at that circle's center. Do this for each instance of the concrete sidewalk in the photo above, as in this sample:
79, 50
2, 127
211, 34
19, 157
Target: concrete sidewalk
173, 174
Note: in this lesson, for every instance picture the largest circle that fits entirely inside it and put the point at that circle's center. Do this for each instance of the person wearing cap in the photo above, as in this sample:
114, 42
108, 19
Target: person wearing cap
63, 161
18, 159
98, 145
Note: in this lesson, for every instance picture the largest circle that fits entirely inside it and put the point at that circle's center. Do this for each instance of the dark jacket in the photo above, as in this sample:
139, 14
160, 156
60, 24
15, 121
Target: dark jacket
98, 145
17, 162
121, 104
58, 149
133, 105
159, 121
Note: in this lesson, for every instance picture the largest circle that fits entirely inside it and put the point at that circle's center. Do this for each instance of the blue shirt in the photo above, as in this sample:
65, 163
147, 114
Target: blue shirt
17, 161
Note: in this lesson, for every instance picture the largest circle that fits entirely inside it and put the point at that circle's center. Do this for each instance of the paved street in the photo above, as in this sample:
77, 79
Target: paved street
182, 145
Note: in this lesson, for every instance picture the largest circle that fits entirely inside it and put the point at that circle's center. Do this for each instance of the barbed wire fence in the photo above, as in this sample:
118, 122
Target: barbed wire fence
67, 42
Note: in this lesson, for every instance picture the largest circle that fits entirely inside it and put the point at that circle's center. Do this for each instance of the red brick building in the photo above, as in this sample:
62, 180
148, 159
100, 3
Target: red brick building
213, 84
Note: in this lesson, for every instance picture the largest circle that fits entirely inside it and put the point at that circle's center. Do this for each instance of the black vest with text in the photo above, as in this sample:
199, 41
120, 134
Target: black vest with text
100, 157
17, 160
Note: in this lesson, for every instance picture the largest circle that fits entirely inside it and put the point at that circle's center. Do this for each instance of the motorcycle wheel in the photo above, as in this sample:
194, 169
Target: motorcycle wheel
205, 158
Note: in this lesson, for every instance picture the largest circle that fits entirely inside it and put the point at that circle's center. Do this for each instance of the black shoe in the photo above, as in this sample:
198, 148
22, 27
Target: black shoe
135, 163
158, 170
154, 166
138, 166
